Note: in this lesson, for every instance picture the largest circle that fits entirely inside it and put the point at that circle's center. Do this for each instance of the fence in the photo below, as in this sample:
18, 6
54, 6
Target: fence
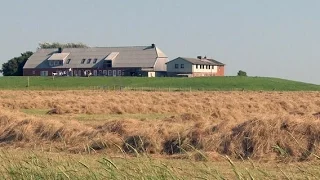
153, 89
160, 89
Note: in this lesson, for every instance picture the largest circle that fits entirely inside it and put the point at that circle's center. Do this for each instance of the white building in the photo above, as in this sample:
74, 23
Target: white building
193, 67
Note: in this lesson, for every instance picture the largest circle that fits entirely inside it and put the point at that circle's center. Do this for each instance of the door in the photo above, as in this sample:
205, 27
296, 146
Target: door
79, 73
43, 73
95, 72
114, 73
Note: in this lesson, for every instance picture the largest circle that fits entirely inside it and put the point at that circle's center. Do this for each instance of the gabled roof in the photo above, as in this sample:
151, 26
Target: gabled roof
135, 56
216, 62
112, 56
200, 61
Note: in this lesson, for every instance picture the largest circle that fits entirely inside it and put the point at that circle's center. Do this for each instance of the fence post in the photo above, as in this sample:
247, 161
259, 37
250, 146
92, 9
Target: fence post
28, 81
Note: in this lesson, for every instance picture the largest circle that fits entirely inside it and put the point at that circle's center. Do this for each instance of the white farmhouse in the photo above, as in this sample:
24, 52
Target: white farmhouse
193, 67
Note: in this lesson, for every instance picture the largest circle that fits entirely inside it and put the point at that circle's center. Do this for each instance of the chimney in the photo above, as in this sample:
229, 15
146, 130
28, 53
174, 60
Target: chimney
153, 45
199, 57
60, 50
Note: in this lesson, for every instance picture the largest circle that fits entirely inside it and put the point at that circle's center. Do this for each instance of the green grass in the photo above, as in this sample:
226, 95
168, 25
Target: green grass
22, 164
167, 84
103, 117
39, 112
97, 117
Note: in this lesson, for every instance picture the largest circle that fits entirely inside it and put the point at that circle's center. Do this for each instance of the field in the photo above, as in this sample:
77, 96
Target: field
156, 84
99, 134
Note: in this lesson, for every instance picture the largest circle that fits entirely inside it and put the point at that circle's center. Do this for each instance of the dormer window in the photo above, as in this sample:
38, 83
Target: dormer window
89, 60
57, 59
68, 61
107, 64
82, 61
95, 60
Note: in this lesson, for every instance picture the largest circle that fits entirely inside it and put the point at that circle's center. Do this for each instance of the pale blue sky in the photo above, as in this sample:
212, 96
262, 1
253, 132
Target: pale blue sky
276, 38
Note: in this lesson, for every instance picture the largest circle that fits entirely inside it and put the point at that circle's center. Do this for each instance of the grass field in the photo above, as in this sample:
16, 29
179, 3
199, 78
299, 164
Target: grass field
167, 84
18, 164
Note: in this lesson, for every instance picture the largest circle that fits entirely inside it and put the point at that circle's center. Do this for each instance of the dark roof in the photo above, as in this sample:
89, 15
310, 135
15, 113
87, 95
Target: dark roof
216, 62
135, 56
201, 61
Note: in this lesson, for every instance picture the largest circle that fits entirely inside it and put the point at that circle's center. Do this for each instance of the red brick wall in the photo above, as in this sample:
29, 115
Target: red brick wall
220, 71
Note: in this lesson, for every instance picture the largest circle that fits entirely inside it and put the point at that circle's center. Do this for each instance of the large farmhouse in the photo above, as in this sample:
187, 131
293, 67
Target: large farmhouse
98, 61
193, 67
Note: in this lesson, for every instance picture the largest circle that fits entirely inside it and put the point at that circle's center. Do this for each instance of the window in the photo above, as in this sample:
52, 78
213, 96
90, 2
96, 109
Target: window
197, 66
176, 66
56, 63
209, 67
60, 62
107, 64
68, 61
82, 61
119, 72
182, 66
89, 60
95, 60
51, 63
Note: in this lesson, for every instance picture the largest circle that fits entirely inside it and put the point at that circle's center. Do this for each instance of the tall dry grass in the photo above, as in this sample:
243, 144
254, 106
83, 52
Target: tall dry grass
258, 125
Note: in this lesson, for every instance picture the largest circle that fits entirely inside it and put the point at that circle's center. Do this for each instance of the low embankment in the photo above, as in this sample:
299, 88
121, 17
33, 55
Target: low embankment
156, 84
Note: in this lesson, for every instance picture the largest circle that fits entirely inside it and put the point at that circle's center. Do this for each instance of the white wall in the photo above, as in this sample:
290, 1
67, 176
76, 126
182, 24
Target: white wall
151, 74
214, 70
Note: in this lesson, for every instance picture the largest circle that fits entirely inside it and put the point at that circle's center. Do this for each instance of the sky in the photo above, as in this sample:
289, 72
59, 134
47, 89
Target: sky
264, 38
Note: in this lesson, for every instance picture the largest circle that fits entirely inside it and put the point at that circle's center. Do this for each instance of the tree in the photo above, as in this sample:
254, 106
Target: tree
14, 67
242, 73
47, 45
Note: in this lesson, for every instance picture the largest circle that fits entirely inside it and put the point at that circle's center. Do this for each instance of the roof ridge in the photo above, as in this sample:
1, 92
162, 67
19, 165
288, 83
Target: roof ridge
117, 46
94, 47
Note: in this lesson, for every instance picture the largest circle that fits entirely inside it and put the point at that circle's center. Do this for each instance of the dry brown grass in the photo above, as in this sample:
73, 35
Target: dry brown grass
258, 125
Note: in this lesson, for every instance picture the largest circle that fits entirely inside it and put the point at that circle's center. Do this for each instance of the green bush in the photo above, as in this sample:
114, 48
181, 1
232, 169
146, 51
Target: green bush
242, 73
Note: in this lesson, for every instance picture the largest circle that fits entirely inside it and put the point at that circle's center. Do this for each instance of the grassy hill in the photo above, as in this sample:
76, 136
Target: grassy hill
200, 83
